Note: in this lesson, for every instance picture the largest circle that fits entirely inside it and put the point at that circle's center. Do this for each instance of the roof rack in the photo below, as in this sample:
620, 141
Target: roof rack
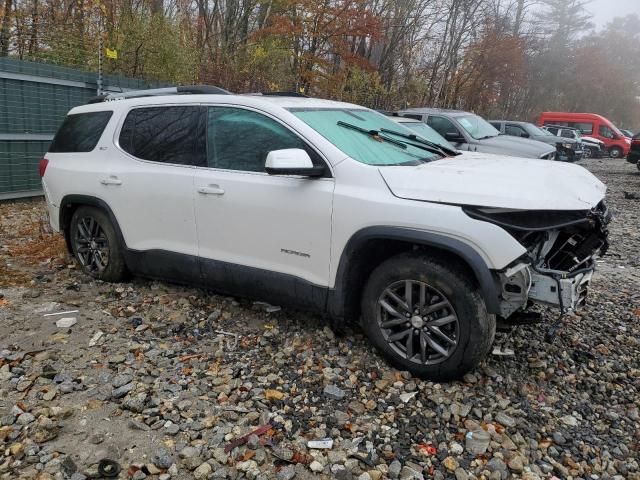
284, 94
153, 92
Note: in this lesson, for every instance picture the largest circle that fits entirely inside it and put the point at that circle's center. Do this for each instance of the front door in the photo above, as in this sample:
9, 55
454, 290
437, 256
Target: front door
258, 234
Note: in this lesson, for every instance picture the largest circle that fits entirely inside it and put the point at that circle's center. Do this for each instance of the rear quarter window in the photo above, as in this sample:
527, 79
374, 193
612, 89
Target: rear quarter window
80, 132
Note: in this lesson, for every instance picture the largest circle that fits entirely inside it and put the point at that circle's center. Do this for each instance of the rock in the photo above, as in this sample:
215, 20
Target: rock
394, 469
461, 474
316, 466
25, 419
286, 473
121, 380
202, 471
516, 464
570, 420
273, 395
450, 464
253, 442
333, 391
504, 419
123, 390
189, 452
162, 459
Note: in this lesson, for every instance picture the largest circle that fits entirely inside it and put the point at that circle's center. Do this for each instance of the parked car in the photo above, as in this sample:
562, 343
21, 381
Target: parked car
627, 133
425, 131
617, 145
592, 148
567, 149
327, 206
467, 131
634, 151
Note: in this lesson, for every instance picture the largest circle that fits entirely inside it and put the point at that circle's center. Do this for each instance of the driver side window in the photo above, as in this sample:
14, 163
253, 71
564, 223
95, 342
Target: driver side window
443, 126
515, 131
239, 139
605, 131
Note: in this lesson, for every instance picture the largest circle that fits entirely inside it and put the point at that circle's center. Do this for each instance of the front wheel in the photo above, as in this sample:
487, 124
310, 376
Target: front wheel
426, 315
96, 246
615, 152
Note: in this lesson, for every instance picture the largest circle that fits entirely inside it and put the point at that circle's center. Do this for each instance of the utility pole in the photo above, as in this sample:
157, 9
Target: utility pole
100, 48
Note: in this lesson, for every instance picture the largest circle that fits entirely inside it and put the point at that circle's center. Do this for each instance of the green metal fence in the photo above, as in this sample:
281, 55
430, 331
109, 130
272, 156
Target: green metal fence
34, 98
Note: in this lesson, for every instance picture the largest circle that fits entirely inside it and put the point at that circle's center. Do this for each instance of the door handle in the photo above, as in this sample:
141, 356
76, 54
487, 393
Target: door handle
211, 190
113, 180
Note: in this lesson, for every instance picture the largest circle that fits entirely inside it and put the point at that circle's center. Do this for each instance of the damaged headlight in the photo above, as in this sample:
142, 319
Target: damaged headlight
560, 241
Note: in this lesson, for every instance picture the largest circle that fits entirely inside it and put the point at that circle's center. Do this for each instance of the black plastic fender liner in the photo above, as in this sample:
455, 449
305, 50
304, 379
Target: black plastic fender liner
483, 275
81, 200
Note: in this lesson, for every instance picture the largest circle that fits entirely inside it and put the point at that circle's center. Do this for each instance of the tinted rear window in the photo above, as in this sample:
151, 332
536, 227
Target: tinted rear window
80, 132
165, 134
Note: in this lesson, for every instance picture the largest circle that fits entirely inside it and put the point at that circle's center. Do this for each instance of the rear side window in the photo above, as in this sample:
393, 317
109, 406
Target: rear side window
584, 127
165, 134
80, 132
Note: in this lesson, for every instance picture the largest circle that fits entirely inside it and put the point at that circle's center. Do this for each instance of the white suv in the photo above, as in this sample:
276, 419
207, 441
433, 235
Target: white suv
326, 206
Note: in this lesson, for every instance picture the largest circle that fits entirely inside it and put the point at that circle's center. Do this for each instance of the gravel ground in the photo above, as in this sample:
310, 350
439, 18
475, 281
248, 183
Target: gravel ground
168, 381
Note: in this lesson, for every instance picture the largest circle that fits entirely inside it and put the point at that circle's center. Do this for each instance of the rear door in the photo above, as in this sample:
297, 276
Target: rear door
150, 188
262, 234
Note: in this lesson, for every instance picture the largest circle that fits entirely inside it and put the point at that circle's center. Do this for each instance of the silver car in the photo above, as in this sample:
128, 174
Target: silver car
467, 131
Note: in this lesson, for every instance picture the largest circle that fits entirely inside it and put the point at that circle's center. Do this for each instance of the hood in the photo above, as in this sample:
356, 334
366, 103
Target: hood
520, 147
497, 181
586, 139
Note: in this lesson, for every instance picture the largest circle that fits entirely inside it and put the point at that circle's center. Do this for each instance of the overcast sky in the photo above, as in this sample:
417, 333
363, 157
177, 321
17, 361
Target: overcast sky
604, 10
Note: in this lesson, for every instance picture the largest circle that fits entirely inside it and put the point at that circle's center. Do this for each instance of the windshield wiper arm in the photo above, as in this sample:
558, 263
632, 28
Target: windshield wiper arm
372, 133
434, 147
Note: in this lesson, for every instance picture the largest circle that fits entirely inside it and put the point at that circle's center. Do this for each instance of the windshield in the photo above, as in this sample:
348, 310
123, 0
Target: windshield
371, 149
535, 130
477, 127
428, 133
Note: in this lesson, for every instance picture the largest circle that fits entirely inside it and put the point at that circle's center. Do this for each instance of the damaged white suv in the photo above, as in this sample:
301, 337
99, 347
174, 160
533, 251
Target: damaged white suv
326, 206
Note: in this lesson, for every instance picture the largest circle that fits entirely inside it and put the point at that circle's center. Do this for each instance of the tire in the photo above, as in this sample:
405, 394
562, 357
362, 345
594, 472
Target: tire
95, 245
615, 152
447, 285
586, 153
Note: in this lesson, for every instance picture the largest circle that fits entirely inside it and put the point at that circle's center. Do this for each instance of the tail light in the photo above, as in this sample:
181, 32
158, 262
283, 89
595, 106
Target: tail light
43, 166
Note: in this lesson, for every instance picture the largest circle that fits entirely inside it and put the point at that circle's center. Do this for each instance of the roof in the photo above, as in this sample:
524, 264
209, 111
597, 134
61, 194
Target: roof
266, 102
427, 110
405, 119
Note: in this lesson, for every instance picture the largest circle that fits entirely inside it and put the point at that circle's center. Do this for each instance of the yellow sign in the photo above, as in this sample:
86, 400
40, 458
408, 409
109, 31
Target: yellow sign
113, 54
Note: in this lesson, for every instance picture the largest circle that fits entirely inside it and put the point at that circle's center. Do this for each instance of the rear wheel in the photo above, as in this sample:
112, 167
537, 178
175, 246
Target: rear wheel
96, 246
615, 152
427, 316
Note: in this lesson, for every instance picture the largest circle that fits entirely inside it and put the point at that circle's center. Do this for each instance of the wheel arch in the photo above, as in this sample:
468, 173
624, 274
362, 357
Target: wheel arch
368, 247
70, 203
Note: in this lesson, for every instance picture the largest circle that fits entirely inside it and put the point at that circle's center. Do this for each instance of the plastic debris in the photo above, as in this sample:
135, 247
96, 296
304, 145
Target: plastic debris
321, 443
60, 313
66, 322
405, 397
96, 338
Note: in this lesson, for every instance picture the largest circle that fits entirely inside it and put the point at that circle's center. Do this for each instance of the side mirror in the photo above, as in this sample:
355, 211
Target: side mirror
291, 161
454, 137
524, 135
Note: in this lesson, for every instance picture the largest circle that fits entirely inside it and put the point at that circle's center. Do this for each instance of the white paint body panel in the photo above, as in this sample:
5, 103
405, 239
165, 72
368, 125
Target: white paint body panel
257, 216
501, 182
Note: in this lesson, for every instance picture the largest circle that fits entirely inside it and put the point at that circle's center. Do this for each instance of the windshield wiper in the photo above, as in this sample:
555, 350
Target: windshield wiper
433, 147
375, 134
